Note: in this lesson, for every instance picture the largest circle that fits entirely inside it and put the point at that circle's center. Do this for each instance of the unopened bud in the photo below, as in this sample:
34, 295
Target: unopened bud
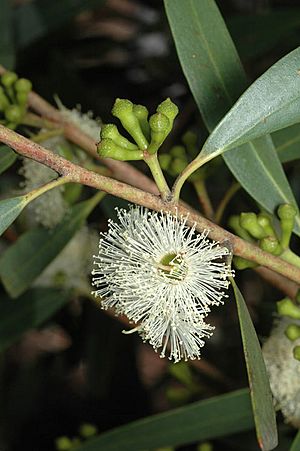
292, 332
189, 139
169, 109
123, 110
286, 213
13, 113
107, 148
178, 151
296, 352
241, 263
249, 222
265, 222
159, 126
141, 113
286, 307
164, 161
111, 131
8, 78
270, 244
23, 85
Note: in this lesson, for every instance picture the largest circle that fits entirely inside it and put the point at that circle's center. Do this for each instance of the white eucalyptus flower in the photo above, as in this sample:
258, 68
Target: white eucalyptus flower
284, 370
162, 275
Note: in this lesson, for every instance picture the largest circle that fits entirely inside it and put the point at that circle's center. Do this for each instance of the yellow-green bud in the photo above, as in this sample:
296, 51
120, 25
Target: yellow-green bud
286, 213
123, 110
22, 98
107, 148
13, 113
296, 352
178, 151
241, 263
265, 222
87, 430
205, 447
159, 126
234, 224
23, 85
189, 139
111, 131
286, 307
292, 332
141, 113
270, 244
177, 166
8, 79
249, 222
164, 160
169, 109
63, 444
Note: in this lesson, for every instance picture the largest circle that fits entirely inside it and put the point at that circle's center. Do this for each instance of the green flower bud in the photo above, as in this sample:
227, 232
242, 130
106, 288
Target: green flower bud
169, 109
189, 139
63, 443
286, 213
8, 79
107, 148
265, 222
159, 125
287, 308
206, 446
178, 151
292, 332
249, 222
111, 131
241, 263
22, 98
123, 110
164, 161
296, 352
13, 113
4, 102
141, 112
234, 224
270, 244
87, 430
23, 85
177, 166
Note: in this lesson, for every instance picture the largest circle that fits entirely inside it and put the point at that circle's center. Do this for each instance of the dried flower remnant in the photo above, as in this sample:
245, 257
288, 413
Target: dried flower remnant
164, 276
284, 370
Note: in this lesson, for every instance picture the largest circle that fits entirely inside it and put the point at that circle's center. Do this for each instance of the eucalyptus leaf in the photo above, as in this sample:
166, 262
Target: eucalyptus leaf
202, 420
10, 210
271, 103
27, 312
287, 143
7, 158
22, 262
216, 78
261, 397
296, 443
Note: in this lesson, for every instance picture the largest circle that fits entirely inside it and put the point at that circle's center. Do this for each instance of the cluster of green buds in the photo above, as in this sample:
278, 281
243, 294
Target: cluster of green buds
261, 230
287, 308
86, 431
14, 93
179, 156
148, 135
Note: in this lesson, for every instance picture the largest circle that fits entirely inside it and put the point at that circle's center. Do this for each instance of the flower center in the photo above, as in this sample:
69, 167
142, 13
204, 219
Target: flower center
172, 266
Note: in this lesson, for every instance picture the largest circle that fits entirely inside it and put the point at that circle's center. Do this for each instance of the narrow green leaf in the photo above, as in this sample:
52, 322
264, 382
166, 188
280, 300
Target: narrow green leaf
296, 443
287, 143
7, 158
271, 103
211, 418
216, 78
7, 51
22, 262
261, 397
10, 210
27, 312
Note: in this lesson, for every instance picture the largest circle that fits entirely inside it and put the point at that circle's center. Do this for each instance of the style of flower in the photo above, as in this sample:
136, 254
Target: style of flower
162, 275
283, 370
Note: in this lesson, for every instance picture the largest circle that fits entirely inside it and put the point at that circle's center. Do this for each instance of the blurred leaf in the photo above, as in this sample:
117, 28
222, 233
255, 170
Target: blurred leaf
27, 312
22, 262
287, 143
7, 51
10, 210
216, 79
214, 417
261, 397
7, 158
269, 104
255, 35
34, 20
296, 443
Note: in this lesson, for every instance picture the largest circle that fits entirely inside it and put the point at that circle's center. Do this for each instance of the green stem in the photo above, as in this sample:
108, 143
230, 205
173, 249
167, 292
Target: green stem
43, 189
152, 161
290, 257
203, 197
225, 201
192, 167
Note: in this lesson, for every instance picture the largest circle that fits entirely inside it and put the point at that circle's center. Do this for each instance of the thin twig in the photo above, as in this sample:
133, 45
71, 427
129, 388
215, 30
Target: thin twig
81, 175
